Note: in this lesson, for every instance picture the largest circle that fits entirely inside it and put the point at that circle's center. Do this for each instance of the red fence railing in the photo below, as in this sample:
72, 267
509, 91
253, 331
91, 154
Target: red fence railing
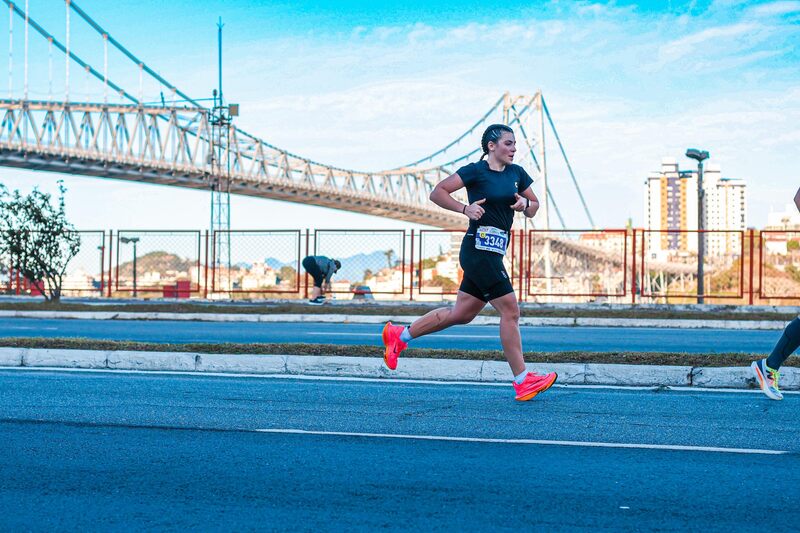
616, 265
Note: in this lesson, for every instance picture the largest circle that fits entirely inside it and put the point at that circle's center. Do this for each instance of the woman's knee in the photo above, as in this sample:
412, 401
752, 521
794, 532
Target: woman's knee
510, 313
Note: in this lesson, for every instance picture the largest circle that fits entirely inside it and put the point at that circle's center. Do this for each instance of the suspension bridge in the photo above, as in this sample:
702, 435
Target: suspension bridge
181, 143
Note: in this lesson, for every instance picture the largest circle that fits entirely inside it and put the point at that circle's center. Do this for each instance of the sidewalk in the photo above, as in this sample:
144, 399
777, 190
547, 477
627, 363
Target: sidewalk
447, 370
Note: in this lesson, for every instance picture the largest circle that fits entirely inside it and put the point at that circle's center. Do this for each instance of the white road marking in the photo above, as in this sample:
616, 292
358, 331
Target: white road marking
587, 444
387, 380
49, 328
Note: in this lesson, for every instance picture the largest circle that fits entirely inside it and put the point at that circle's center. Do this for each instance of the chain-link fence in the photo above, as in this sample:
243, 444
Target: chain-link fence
163, 262
668, 264
86, 274
617, 266
779, 258
373, 261
249, 263
577, 265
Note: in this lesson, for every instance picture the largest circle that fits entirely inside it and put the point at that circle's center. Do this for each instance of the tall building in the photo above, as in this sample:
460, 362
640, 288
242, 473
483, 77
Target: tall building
671, 204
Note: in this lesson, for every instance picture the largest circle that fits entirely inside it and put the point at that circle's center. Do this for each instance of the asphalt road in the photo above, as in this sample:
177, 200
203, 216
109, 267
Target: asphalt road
96, 451
470, 337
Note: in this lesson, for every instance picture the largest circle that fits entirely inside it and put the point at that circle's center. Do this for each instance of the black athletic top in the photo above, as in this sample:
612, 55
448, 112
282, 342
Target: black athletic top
498, 188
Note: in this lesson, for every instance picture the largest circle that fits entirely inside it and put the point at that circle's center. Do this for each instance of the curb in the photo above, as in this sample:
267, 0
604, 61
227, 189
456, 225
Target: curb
373, 367
679, 323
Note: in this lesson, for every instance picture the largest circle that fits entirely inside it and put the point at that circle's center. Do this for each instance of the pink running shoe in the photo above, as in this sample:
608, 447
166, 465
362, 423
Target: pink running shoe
391, 339
534, 384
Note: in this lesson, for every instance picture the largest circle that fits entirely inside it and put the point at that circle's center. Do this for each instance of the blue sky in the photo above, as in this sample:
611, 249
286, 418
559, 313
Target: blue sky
371, 85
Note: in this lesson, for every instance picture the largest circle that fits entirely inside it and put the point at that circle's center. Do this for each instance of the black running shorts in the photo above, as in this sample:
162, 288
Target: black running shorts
485, 275
312, 268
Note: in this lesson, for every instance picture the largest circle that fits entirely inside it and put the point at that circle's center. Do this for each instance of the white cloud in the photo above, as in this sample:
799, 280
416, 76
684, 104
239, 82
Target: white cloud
688, 45
773, 9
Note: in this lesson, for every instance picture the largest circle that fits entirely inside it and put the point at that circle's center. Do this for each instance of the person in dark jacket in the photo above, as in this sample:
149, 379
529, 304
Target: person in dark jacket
320, 268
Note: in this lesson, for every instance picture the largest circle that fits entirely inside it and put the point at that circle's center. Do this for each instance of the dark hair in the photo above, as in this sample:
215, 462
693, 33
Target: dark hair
493, 134
337, 263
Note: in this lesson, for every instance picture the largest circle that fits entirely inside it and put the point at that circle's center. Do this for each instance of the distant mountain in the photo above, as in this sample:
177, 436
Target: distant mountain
156, 262
353, 267
276, 264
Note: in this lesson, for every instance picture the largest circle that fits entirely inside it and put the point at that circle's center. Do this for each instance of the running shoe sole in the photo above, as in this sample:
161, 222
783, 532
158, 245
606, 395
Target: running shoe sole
532, 394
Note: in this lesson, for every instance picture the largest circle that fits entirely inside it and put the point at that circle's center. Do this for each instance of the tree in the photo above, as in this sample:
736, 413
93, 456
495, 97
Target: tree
288, 274
389, 254
37, 238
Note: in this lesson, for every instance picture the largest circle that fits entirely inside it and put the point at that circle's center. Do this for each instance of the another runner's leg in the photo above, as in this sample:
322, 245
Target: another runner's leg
786, 345
766, 370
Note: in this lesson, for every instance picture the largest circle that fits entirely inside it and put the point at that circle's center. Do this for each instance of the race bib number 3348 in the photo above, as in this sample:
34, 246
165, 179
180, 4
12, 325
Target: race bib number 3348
491, 239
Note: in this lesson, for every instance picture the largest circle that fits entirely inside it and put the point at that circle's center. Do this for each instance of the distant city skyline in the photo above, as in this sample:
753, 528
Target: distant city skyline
370, 86
671, 205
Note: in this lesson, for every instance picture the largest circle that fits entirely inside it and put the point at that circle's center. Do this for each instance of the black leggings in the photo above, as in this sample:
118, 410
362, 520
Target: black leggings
787, 344
312, 268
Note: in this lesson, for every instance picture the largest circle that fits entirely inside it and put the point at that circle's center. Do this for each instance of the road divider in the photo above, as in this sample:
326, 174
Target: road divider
372, 367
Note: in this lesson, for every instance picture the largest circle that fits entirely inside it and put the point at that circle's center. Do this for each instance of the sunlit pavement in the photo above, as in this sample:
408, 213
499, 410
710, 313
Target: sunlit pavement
111, 450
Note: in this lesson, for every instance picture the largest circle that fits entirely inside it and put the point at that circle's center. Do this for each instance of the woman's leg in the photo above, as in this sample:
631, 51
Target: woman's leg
786, 345
466, 308
508, 308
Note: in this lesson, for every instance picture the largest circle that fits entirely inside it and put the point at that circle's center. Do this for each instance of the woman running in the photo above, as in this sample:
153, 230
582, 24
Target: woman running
496, 188
766, 370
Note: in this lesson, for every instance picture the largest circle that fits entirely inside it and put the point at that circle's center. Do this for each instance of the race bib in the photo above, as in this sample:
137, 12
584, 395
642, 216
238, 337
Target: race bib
491, 239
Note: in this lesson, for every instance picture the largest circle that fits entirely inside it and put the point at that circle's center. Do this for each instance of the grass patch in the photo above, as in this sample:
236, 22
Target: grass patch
625, 358
526, 310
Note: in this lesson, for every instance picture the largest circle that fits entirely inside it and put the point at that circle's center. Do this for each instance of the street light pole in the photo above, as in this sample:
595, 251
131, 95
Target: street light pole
132, 240
700, 156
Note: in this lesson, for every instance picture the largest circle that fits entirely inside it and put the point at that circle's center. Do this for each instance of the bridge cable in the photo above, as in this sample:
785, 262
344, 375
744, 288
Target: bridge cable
72, 55
459, 139
129, 55
517, 118
536, 162
569, 167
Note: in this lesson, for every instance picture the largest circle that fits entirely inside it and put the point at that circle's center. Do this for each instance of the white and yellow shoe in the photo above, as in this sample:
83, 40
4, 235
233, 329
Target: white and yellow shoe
767, 379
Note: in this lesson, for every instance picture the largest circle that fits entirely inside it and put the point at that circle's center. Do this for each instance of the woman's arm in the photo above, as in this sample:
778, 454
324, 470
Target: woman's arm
527, 203
441, 196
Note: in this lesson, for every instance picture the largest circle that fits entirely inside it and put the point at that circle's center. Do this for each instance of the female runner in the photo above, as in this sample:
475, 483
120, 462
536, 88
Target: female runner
496, 189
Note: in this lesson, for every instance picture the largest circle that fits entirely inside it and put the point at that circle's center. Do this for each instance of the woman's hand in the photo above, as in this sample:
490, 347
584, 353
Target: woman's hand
474, 210
521, 204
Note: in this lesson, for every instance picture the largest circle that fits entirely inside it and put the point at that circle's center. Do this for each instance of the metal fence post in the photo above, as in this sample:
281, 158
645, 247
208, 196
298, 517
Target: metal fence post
308, 238
752, 258
205, 275
411, 270
633, 267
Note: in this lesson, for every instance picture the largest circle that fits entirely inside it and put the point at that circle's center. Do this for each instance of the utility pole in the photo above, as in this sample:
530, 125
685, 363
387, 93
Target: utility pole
221, 119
